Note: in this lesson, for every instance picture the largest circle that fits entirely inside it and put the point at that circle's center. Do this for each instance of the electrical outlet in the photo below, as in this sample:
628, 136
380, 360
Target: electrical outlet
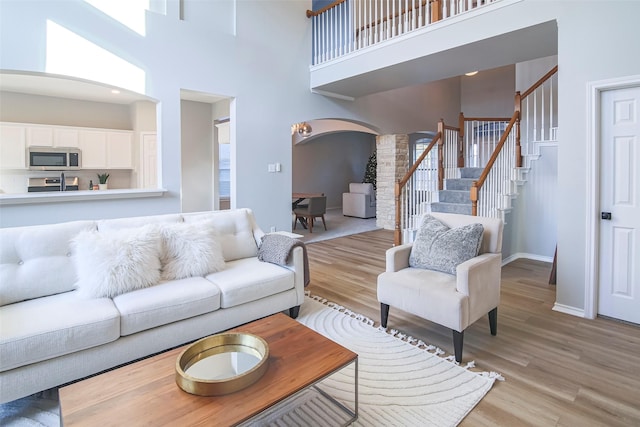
273, 229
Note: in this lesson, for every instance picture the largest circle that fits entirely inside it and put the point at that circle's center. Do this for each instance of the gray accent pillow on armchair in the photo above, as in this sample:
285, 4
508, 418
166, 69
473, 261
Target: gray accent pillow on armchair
440, 248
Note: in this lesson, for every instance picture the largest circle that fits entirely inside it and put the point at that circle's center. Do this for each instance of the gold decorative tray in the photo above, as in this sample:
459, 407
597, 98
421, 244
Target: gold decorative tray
222, 364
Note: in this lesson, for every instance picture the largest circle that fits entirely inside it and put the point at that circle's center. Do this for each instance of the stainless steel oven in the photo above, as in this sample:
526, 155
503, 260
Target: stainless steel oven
54, 158
57, 183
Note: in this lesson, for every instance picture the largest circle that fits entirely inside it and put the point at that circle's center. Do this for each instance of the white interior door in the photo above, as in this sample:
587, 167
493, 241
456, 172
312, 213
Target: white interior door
619, 280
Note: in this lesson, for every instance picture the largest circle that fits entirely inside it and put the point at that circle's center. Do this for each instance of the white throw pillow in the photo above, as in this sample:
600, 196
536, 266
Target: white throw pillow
190, 249
115, 262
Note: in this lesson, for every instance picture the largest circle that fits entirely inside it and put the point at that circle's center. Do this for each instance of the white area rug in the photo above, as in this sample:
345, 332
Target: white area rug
402, 381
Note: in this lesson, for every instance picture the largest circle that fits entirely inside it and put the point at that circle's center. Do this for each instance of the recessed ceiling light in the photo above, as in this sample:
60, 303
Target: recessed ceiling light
115, 91
472, 73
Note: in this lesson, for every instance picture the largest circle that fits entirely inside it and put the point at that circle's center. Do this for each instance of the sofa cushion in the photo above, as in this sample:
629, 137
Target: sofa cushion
248, 279
52, 326
165, 303
440, 248
190, 249
235, 230
35, 261
112, 263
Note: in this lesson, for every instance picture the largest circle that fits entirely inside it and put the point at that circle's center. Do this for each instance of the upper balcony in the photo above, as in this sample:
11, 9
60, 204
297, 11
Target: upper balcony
362, 47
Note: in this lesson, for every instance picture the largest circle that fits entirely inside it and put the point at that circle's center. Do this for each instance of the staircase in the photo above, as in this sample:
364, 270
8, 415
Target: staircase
455, 199
501, 146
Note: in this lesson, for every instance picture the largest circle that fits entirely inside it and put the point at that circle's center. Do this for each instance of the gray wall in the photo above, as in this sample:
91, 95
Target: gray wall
414, 108
490, 93
49, 110
328, 163
197, 155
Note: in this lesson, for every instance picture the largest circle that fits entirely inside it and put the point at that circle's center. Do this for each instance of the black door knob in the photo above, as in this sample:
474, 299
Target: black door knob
605, 215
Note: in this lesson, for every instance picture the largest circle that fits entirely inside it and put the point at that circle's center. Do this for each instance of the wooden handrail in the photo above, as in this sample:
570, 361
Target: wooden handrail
424, 154
312, 13
402, 182
537, 84
477, 185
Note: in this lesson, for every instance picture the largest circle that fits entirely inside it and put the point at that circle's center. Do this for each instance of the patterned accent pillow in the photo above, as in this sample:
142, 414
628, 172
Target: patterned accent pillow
440, 248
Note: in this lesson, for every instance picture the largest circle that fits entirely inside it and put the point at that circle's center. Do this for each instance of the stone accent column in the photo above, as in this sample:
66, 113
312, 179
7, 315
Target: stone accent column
392, 152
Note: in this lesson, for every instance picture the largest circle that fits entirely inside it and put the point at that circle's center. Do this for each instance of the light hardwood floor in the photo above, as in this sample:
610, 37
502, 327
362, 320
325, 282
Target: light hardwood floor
560, 370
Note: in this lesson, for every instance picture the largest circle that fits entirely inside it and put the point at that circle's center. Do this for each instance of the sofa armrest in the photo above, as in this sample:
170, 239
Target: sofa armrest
295, 263
479, 279
397, 258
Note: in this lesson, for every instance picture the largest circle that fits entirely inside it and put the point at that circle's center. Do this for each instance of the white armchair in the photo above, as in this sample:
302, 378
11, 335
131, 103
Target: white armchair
455, 301
360, 201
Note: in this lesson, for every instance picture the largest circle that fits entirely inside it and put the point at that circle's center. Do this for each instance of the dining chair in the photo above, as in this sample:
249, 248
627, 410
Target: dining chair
316, 209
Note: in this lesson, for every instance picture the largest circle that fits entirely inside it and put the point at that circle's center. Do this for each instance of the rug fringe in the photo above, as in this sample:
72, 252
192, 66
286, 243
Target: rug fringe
404, 337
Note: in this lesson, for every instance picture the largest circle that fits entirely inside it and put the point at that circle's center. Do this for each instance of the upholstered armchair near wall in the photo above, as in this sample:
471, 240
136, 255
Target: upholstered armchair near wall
360, 201
449, 275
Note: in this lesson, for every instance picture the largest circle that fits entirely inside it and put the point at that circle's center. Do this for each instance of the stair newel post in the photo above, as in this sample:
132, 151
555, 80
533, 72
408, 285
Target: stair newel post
441, 155
461, 140
474, 198
518, 106
397, 234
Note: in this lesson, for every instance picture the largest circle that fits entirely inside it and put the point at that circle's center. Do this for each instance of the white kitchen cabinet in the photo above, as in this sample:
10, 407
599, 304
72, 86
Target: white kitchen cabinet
119, 150
106, 149
93, 145
13, 146
39, 136
66, 137
101, 148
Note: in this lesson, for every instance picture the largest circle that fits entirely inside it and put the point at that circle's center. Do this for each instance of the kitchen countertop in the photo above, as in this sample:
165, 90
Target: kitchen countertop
75, 196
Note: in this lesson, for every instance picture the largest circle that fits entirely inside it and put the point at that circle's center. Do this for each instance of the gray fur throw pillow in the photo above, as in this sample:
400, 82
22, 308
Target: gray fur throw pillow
440, 248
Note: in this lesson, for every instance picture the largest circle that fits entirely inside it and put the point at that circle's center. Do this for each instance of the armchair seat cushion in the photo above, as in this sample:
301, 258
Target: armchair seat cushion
410, 288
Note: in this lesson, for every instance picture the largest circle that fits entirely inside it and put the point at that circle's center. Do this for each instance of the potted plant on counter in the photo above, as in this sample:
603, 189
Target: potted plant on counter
102, 181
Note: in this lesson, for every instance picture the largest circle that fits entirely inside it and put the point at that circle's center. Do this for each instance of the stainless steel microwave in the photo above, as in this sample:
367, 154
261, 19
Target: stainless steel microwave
54, 158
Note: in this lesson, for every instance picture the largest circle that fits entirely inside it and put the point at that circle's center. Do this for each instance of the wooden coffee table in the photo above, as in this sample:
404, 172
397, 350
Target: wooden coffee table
145, 392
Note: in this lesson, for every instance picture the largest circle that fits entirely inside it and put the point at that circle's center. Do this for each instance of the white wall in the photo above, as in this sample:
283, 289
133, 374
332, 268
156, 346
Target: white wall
596, 41
328, 164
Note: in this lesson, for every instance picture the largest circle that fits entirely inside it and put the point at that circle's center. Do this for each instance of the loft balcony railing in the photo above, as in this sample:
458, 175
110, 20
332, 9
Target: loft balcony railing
346, 26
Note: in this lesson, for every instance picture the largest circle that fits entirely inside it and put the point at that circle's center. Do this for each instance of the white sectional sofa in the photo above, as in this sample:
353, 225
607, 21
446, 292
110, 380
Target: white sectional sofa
52, 333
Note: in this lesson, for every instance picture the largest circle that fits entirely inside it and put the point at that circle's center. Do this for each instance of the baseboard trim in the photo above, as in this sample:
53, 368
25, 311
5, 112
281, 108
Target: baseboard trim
519, 255
566, 309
